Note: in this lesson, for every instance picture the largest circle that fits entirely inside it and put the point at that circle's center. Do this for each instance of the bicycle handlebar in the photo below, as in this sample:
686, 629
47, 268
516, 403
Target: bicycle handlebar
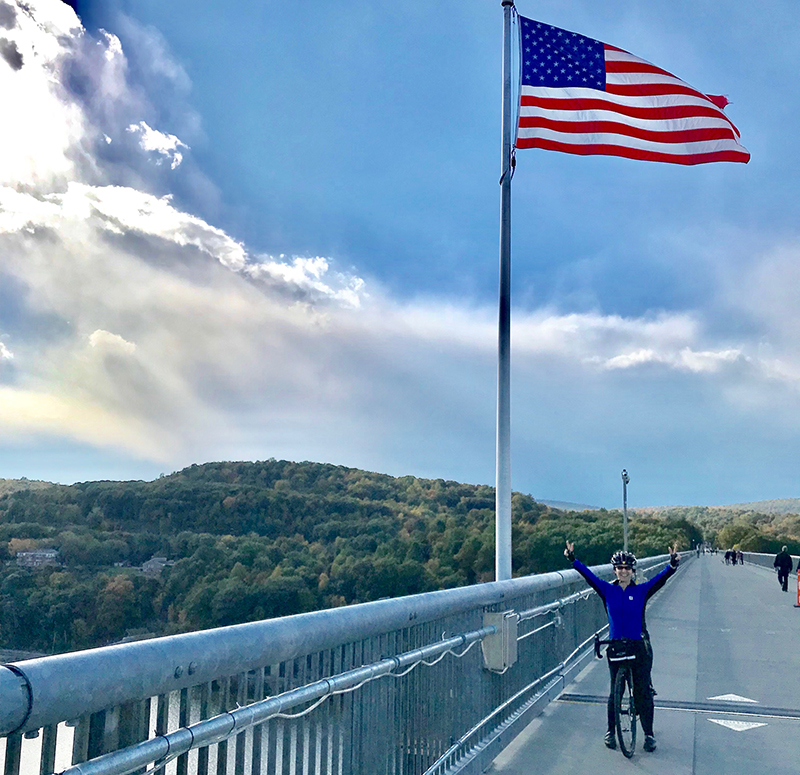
597, 643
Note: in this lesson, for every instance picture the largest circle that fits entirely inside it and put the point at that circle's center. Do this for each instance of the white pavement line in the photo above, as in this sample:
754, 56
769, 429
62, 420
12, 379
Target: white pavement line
748, 714
732, 698
737, 726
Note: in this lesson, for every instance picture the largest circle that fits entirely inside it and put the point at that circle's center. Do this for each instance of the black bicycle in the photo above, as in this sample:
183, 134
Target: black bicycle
622, 653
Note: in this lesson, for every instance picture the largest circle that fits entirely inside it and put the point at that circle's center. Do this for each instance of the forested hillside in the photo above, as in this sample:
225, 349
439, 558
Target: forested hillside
256, 540
736, 526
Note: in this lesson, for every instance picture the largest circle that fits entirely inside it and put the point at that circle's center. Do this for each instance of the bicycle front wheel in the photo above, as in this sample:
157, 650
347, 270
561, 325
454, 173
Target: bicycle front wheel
625, 711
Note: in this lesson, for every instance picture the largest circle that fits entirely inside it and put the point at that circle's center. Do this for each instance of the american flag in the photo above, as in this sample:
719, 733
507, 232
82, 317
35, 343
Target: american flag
581, 96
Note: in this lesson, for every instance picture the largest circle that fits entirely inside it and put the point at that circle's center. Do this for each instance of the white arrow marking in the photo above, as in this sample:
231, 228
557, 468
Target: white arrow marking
737, 726
732, 698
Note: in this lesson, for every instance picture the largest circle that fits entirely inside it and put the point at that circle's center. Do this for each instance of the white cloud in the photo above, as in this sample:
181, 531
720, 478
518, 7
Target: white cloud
41, 129
164, 145
113, 48
311, 277
683, 360
108, 342
5, 353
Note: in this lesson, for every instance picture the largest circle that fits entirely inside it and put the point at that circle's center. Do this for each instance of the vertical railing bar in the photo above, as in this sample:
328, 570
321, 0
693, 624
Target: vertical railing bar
329, 667
279, 753
340, 665
80, 740
47, 762
222, 747
182, 763
293, 747
241, 738
382, 719
162, 714
318, 743
329, 745
202, 754
306, 760
274, 731
13, 754
258, 732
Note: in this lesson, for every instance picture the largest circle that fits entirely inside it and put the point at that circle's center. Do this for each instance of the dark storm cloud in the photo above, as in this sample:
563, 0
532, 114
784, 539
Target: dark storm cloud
10, 52
8, 16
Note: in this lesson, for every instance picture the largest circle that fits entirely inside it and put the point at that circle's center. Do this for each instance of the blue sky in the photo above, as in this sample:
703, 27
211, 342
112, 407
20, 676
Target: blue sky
247, 231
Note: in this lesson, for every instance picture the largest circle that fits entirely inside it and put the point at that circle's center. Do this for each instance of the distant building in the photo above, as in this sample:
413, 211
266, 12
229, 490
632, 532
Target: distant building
155, 565
38, 558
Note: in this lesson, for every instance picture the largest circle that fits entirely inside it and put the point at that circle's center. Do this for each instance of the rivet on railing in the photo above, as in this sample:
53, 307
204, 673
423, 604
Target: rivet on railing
192, 668
178, 671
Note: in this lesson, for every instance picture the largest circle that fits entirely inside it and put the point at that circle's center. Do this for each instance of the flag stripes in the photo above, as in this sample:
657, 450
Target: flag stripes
628, 108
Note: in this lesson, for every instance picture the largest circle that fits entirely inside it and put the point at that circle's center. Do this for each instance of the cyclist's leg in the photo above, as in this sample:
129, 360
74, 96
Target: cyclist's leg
613, 667
643, 695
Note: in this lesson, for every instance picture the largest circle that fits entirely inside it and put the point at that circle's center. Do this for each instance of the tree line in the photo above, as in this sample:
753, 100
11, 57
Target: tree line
257, 540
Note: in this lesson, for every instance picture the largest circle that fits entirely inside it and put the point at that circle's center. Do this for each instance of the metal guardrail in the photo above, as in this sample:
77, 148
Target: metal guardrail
764, 560
216, 701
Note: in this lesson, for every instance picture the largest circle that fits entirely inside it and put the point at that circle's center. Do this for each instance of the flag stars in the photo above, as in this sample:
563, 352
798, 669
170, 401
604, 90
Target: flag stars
555, 57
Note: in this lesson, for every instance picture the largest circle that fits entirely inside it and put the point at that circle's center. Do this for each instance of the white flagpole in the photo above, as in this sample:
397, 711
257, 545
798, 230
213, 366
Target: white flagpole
503, 471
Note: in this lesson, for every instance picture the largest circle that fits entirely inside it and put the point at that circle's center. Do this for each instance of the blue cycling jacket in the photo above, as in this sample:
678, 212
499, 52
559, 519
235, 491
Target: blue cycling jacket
625, 607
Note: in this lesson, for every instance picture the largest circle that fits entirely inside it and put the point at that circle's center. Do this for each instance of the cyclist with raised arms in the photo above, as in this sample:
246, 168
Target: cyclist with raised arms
625, 601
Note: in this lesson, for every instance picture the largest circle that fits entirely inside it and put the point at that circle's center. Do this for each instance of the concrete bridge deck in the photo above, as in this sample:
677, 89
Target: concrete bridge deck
717, 630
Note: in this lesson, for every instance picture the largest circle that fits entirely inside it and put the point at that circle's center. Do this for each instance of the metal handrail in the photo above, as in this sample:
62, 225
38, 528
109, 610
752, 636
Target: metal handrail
48, 690
225, 725
202, 691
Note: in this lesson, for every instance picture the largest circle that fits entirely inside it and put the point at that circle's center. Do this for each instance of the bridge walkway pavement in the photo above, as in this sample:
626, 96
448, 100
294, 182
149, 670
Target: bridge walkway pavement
717, 630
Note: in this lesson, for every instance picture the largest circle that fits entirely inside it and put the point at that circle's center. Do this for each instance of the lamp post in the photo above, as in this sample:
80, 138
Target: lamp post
625, 480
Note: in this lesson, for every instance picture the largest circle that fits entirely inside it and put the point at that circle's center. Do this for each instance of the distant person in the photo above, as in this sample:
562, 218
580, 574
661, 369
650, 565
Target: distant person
728, 557
741, 557
733, 556
625, 601
783, 562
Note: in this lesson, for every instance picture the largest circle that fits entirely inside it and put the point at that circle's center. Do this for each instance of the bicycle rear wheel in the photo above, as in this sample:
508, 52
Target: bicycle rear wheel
625, 711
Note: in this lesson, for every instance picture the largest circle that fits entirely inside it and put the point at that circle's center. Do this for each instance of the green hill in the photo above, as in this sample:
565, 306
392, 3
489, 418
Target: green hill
763, 526
245, 541
777, 506
15, 485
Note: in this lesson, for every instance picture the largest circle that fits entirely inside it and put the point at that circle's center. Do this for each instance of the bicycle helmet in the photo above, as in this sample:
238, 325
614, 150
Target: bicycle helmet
627, 559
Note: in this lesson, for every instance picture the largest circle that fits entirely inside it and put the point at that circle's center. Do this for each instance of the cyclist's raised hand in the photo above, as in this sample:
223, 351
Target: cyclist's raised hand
569, 552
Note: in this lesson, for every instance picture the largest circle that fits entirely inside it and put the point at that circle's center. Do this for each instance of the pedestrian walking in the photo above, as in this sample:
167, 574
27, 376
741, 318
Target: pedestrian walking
783, 562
